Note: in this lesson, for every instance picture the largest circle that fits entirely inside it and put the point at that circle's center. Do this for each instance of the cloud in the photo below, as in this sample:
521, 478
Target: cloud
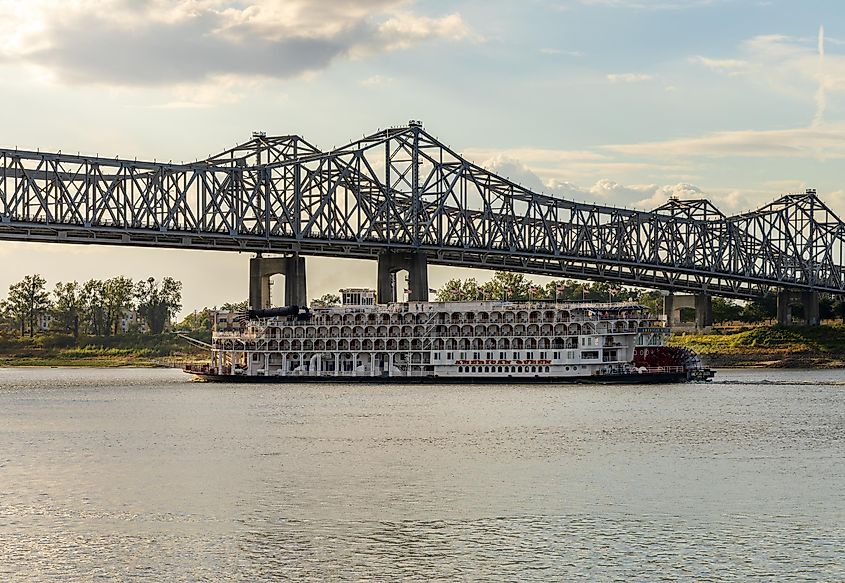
653, 4
628, 77
641, 196
405, 29
797, 142
786, 65
559, 166
219, 90
603, 191
158, 42
563, 173
516, 171
821, 92
727, 66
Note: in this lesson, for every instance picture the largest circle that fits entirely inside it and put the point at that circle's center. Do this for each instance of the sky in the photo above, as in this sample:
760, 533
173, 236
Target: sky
623, 102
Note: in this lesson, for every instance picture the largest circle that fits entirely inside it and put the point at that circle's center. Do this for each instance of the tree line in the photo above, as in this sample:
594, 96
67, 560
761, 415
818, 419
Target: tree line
95, 307
517, 287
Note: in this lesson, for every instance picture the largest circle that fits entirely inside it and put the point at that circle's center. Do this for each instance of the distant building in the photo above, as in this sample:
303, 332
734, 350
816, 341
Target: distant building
128, 321
45, 321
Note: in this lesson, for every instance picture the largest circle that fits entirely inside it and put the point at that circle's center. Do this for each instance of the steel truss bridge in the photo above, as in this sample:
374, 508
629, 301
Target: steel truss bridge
402, 190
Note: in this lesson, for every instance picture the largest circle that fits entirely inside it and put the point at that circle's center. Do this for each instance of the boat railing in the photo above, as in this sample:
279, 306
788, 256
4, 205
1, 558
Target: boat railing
660, 369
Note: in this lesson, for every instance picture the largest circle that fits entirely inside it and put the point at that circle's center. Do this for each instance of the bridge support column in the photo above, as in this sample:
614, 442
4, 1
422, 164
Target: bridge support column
416, 264
260, 271
703, 311
810, 301
784, 308
669, 310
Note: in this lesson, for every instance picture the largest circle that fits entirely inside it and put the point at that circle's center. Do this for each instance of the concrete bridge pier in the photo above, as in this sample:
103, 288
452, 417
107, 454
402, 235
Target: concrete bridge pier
703, 311
669, 309
389, 263
261, 269
809, 301
784, 308
701, 303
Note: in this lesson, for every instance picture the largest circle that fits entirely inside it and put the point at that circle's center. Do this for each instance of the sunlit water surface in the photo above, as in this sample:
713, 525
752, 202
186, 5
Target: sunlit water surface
144, 475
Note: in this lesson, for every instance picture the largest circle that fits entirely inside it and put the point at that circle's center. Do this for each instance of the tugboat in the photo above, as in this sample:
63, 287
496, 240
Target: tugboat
449, 342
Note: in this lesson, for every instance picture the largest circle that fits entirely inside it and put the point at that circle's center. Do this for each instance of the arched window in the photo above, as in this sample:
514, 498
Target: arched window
460, 369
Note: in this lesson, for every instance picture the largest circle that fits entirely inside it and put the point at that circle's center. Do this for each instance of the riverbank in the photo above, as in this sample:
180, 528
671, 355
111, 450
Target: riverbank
764, 346
101, 351
770, 347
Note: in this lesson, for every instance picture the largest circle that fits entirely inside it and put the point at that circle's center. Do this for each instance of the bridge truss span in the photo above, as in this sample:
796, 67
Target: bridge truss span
401, 189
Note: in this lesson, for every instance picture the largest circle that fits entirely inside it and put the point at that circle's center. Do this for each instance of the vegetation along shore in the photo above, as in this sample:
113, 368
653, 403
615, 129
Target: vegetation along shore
120, 322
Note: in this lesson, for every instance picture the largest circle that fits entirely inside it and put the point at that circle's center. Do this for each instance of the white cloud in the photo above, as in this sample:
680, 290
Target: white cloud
653, 4
827, 141
535, 155
727, 66
628, 77
563, 173
786, 65
404, 29
603, 191
641, 196
559, 166
516, 171
158, 42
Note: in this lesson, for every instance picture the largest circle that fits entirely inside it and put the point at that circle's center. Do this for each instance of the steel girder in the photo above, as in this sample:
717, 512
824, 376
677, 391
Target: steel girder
402, 189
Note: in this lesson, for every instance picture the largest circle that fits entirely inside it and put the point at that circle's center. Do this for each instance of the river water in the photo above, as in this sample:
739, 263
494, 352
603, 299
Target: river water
144, 475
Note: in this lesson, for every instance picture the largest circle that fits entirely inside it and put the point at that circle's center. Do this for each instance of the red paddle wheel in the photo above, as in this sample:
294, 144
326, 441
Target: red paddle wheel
666, 356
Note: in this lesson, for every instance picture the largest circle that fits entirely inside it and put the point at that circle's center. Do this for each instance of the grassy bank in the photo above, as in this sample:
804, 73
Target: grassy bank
771, 346
97, 351
764, 346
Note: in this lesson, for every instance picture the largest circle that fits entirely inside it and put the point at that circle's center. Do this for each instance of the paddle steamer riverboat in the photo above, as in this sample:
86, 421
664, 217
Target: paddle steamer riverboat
450, 342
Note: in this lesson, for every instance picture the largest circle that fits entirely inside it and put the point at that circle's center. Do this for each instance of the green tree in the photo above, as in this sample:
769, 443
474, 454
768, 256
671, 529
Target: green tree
760, 309
158, 303
653, 300
827, 307
15, 312
561, 290
117, 298
326, 301
839, 307
69, 306
235, 306
725, 310
507, 286
456, 290
198, 321
450, 292
28, 299
93, 307
8, 321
